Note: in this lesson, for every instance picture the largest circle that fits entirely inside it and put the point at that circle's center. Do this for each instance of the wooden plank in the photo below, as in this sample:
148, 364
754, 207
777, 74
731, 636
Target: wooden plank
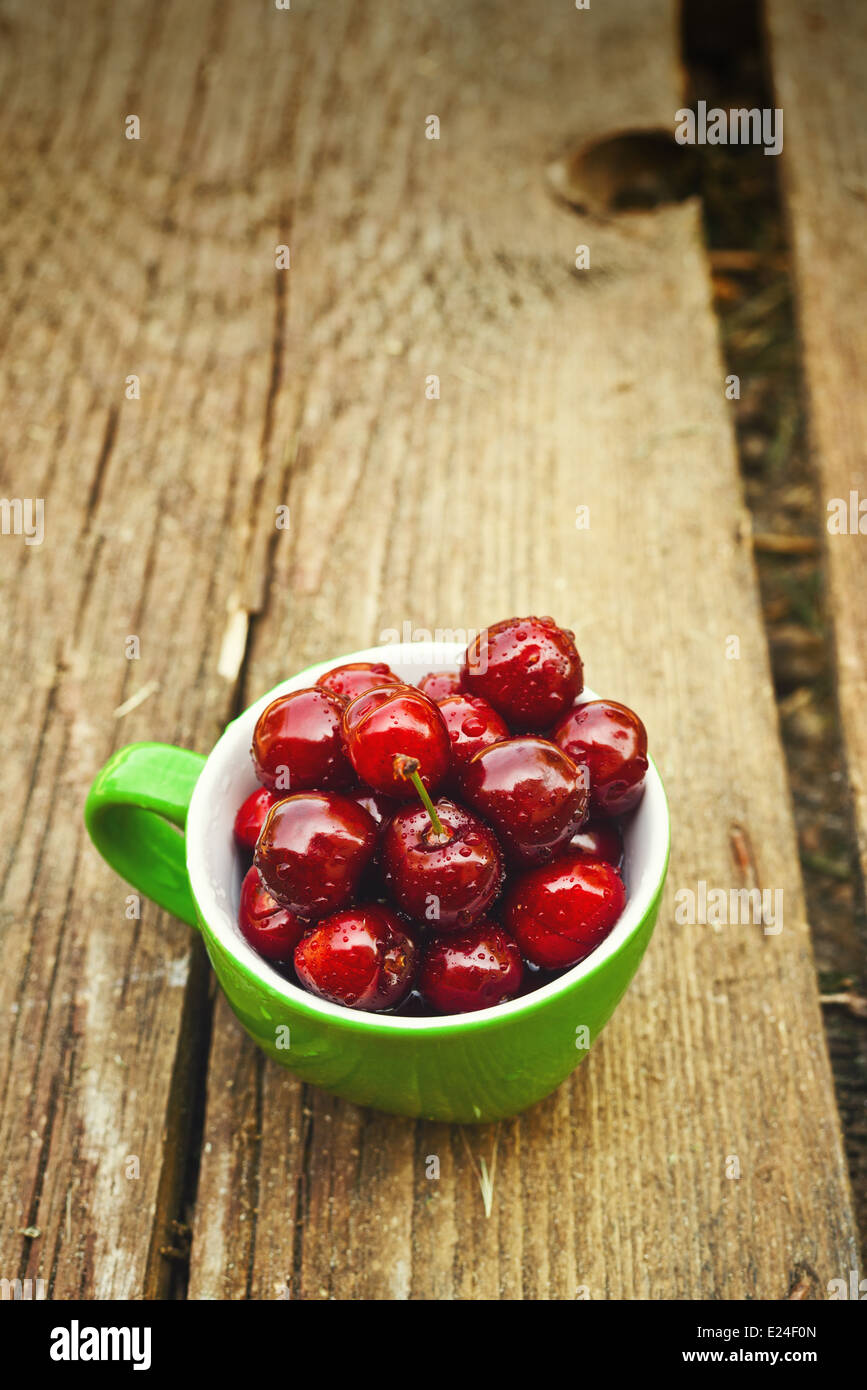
111, 250
558, 389
818, 64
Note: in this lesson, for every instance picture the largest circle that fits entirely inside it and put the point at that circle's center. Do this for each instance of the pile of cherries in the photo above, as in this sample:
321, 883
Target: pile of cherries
444, 847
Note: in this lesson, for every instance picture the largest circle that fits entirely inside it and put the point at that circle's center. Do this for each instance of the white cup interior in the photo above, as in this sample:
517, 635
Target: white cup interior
216, 870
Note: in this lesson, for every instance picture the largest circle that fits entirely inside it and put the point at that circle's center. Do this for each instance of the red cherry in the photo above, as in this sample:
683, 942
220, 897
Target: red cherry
437, 685
362, 958
475, 969
272, 930
385, 725
531, 792
297, 743
446, 879
353, 679
599, 840
560, 912
251, 817
611, 741
313, 849
473, 724
527, 668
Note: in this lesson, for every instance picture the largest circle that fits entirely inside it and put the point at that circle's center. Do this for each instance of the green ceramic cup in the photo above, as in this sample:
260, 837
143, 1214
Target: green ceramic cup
162, 818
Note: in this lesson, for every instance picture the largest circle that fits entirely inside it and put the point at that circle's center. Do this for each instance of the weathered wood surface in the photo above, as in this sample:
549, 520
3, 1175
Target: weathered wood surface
559, 388
819, 62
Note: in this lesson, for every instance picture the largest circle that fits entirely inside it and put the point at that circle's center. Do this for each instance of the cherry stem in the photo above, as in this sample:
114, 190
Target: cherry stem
407, 768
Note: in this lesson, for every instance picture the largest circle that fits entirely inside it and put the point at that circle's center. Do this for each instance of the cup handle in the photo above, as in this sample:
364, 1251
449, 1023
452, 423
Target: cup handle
136, 812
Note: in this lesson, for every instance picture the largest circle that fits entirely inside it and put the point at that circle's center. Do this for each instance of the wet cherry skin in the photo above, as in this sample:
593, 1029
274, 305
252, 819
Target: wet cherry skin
527, 668
356, 677
531, 793
251, 817
297, 743
391, 723
313, 850
436, 685
600, 840
445, 880
272, 930
473, 724
362, 957
472, 969
558, 913
611, 741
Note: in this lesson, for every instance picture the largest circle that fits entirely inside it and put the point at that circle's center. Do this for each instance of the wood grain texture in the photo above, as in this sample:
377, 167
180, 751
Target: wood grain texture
559, 388
107, 277
819, 65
